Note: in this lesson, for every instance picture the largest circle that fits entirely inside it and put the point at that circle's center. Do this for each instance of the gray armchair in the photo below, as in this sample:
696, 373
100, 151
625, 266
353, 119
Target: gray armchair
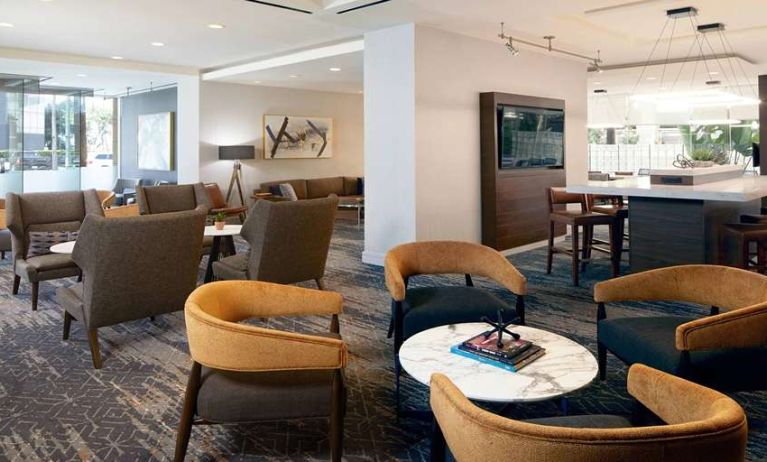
289, 242
172, 198
123, 282
54, 211
125, 190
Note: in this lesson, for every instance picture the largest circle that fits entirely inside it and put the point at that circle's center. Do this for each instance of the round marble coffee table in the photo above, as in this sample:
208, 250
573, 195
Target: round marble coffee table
566, 366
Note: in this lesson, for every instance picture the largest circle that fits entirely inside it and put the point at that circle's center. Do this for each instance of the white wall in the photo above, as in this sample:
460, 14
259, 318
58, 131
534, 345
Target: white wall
389, 140
451, 71
232, 114
188, 130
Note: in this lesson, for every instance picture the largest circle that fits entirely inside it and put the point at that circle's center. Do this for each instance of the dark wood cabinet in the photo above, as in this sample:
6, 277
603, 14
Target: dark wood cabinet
514, 204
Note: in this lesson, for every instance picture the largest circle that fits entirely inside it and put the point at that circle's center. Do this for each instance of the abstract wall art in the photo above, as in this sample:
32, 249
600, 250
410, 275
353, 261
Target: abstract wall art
155, 141
297, 137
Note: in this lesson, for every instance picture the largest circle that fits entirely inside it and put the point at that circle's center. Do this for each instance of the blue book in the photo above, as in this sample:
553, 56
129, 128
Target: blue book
533, 354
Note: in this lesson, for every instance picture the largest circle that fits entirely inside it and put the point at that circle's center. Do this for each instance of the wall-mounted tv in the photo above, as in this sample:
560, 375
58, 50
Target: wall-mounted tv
530, 137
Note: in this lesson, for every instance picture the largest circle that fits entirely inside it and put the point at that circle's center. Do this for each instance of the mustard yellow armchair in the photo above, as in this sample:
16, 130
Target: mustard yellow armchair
726, 350
417, 309
701, 424
244, 373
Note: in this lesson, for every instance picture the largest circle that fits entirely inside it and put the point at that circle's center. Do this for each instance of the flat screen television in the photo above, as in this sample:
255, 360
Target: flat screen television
530, 137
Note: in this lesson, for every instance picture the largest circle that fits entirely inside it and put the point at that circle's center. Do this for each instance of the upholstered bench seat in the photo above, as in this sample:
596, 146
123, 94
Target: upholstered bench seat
427, 307
234, 267
584, 421
651, 341
226, 396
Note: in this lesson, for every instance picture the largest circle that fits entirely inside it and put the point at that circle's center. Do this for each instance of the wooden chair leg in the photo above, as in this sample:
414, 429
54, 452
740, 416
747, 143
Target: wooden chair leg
16, 282
35, 294
320, 283
67, 324
93, 340
337, 418
551, 247
576, 254
188, 412
588, 238
615, 255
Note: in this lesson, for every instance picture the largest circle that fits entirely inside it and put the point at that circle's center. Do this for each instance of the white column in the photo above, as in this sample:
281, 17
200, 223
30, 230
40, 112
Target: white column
390, 194
188, 130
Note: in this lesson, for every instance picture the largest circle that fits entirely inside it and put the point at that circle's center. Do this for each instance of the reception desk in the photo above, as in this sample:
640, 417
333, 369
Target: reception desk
674, 225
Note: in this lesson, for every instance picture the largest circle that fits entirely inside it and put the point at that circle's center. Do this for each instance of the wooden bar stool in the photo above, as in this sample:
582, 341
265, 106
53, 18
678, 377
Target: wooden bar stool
745, 235
615, 206
576, 219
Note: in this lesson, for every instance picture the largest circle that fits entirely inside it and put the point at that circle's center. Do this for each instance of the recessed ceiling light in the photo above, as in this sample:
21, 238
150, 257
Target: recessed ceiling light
293, 76
82, 75
157, 44
335, 69
6, 24
117, 58
597, 83
216, 26
713, 73
55, 84
256, 82
652, 78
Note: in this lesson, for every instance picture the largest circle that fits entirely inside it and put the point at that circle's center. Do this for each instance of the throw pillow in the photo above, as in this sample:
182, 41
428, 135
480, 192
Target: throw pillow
287, 191
360, 186
275, 190
40, 242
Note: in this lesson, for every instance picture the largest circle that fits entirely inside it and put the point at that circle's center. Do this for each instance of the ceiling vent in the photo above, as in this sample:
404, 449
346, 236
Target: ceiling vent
368, 5
283, 7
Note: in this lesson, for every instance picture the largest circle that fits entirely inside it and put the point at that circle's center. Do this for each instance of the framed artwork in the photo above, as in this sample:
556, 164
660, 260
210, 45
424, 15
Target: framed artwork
297, 137
155, 141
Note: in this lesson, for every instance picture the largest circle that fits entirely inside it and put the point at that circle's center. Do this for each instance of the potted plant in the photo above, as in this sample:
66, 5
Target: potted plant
220, 220
703, 157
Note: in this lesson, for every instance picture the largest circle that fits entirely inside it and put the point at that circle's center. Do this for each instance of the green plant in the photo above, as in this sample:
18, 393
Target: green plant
702, 154
220, 216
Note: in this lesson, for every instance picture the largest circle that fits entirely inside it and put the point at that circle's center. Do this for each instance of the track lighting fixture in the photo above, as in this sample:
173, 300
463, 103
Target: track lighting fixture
548, 47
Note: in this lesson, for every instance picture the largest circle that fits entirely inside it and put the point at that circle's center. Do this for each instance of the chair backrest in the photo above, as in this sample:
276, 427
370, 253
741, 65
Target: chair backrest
559, 196
107, 198
171, 198
47, 211
702, 425
130, 210
134, 267
121, 184
215, 196
289, 241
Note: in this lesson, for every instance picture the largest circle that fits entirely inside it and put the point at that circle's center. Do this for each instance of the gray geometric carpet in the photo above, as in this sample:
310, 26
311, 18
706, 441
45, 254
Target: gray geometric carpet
55, 406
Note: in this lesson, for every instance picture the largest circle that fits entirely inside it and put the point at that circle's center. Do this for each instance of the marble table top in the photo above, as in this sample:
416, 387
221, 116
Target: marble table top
743, 189
229, 230
566, 366
64, 247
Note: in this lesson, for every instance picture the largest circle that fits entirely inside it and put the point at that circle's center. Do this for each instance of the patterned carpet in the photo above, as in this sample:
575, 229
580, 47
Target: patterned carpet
55, 406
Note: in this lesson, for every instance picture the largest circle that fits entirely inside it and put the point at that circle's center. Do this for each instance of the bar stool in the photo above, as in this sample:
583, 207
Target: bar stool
615, 206
745, 235
576, 219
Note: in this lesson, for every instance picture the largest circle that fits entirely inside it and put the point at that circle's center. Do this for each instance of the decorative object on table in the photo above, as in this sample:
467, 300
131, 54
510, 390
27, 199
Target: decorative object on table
490, 348
692, 175
236, 153
220, 220
498, 328
156, 141
297, 137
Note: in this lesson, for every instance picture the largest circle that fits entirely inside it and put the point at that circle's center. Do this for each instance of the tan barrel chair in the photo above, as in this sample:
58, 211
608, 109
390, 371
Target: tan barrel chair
701, 424
243, 373
726, 350
417, 309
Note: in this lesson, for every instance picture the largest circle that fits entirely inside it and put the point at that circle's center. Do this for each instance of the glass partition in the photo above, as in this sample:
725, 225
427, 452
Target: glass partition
54, 139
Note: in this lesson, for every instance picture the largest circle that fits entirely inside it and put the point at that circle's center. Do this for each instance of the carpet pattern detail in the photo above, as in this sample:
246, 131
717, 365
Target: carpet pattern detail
55, 406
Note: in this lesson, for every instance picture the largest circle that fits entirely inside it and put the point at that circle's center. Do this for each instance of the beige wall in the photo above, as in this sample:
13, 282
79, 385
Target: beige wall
232, 114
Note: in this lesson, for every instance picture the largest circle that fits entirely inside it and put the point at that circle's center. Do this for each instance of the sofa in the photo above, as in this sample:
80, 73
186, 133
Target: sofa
347, 188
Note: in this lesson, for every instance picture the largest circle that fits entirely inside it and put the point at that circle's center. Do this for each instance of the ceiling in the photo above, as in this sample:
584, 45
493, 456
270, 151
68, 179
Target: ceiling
624, 30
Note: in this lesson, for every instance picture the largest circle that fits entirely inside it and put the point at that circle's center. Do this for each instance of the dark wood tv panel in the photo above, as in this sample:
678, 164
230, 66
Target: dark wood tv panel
514, 204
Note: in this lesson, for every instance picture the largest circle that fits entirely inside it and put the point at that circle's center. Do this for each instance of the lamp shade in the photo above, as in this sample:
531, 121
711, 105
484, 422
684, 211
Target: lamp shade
236, 152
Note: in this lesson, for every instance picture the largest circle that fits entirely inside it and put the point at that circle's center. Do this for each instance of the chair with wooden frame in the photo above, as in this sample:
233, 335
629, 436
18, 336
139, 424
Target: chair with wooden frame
616, 207
576, 219
726, 350
417, 309
244, 373
219, 205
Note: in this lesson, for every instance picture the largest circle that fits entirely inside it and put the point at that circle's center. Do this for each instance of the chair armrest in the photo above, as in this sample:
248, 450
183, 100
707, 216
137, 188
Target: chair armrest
743, 328
226, 345
395, 281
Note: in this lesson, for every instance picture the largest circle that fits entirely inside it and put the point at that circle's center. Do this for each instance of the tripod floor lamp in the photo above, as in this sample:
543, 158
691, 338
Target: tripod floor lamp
236, 153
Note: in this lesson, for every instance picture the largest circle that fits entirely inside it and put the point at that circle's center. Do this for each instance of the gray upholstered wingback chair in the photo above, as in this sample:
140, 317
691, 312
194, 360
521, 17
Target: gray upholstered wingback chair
289, 242
49, 211
172, 198
126, 282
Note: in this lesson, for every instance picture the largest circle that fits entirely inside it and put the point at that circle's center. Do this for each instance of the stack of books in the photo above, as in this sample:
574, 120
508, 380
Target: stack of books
513, 355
